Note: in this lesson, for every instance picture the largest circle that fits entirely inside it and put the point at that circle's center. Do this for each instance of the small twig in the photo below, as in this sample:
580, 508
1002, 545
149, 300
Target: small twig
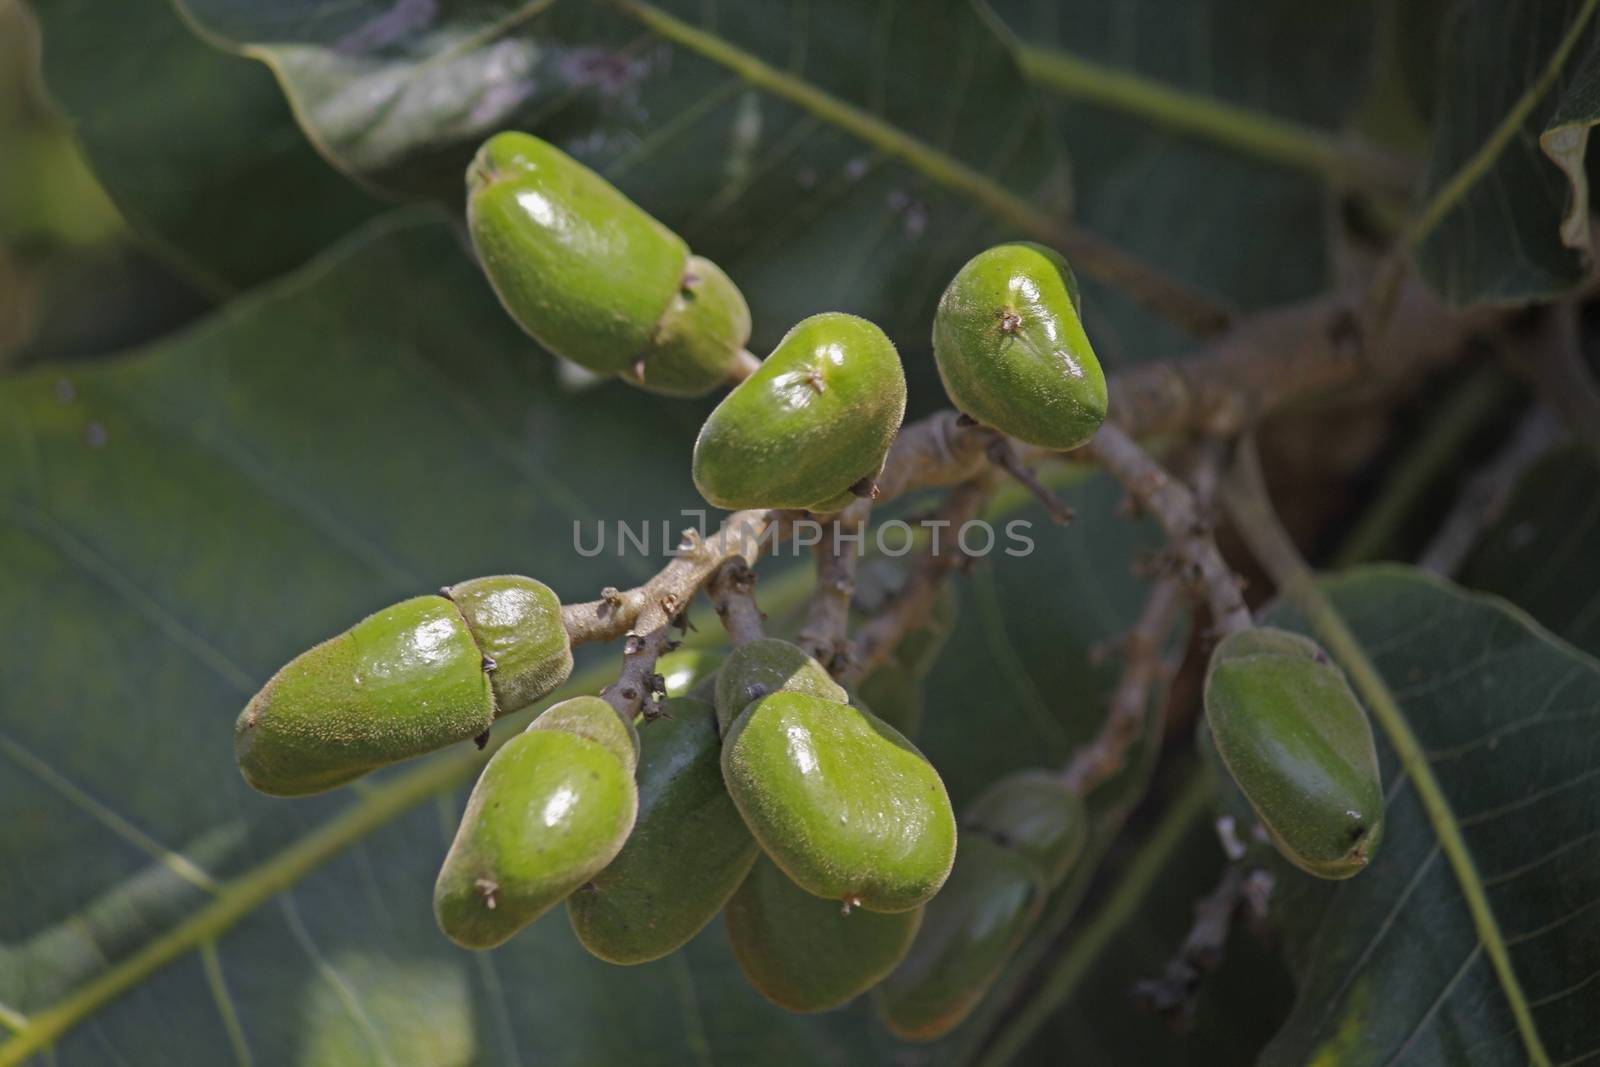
1144, 668
1002, 455
1189, 533
743, 535
828, 613
744, 365
639, 689
732, 592
1174, 994
1486, 494
878, 637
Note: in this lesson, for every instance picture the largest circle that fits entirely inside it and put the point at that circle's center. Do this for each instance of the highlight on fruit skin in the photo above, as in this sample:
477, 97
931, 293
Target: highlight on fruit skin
811, 426
415, 677
688, 852
842, 802
808, 954
1297, 742
593, 277
1011, 350
550, 811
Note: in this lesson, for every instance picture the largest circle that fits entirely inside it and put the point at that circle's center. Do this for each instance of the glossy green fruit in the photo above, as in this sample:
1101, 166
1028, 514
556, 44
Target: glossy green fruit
804, 953
704, 329
1036, 817
691, 671
815, 419
550, 811
596, 720
1011, 348
841, 801
969, 931
1297, 741
400, 683
769, 665
688, 852
516, 623
593, 278
582, 268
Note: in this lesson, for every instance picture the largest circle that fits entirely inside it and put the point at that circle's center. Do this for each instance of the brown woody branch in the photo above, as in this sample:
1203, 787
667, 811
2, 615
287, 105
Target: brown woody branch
828, 613
1175, 994
732, 592
911, 605
1144, 669
1189, 532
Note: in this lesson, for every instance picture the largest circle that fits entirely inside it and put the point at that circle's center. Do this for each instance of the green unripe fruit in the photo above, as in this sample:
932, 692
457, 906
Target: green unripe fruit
699, 337
582, 268
549, 812
593, 278
593, 718
516, 623
1011, 348
690, 671
400, 683
969, 932
687, 854
816, 418
1297, 741
1035, 816
841, 801
769, 665
804, 953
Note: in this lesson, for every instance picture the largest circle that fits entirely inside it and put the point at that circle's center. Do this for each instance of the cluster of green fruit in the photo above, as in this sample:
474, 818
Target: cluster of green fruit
767, 792
596, 280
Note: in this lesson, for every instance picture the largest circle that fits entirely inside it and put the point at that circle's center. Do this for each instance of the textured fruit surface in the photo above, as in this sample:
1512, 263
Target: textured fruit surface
593, 718
842, 802
699, 337
549, 812
1011, 349
516, 623
1037, 817
968, 933
1297, 741
816, 418
580, 267
691, 670
400, 683
804, 953
769, 665
688, 852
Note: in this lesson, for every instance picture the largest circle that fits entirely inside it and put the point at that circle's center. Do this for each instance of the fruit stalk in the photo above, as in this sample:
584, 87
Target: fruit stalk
828, 612
1189, 533
1144, 669
732, 593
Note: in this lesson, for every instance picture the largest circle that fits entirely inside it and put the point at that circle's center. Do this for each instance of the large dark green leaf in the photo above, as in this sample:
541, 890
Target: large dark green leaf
197, 147
1389, 964
177, 522
804, 215
1541, 553
1520, 230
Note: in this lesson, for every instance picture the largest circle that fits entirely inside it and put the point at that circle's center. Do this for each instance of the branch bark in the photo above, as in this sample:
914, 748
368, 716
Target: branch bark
1189, 532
